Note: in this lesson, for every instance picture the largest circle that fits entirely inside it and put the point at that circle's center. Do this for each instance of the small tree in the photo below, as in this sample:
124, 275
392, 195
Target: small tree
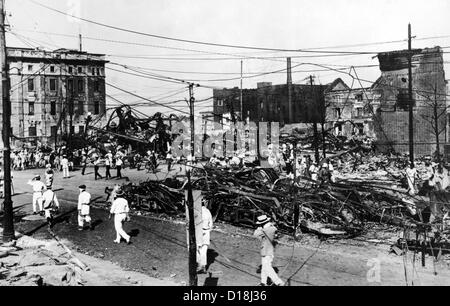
436, 102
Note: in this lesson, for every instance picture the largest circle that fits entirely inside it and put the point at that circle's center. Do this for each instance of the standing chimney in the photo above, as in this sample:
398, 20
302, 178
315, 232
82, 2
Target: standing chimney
289, 86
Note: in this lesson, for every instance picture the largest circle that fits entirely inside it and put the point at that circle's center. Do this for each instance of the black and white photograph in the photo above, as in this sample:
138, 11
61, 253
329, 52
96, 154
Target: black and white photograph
242, 144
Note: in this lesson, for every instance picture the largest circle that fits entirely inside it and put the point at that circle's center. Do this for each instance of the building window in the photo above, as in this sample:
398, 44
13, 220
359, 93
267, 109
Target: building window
96, 86
92, 70
70, 70
80, 69
52, 69
30, 68
31, 108
98, 71
32, 131
70, 86
30, 85
81, 129
80, 86
72, 130
53, 108
96, 107
52, 84
359, 112
80, 107
359, 97
337, 113
54, 130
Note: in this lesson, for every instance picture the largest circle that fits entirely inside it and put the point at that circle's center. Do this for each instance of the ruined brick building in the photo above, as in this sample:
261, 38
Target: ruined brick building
429, 95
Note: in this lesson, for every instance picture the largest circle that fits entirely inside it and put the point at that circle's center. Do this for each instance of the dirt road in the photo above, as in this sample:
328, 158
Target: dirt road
159, 247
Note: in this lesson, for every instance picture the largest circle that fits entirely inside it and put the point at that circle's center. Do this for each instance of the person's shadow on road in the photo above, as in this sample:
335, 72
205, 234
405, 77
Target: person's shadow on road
134, 233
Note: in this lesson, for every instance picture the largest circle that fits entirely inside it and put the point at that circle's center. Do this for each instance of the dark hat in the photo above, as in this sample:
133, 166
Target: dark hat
82, 187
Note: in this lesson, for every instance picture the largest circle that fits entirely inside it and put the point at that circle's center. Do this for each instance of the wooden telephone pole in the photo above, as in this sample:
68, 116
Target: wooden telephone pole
8, 218
411, 101
315, 115
193, 279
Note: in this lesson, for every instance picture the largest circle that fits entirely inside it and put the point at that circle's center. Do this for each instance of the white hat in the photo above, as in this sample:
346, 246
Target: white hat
325, 165
262, 220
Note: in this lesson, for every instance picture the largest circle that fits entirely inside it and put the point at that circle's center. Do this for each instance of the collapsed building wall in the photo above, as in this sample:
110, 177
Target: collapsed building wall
429, 101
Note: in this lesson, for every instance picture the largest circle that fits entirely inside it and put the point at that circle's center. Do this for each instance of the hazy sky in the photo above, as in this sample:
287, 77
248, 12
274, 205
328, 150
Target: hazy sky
282, 24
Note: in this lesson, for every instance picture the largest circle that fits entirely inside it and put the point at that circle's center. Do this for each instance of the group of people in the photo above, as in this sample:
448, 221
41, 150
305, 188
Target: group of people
45, 203
435, 177
109, 160
29, 159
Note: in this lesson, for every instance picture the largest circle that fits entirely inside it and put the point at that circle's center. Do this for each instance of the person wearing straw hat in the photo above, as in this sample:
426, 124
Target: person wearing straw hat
84, 202
50, 204
120, 210
202, 248
266, 232
38, 188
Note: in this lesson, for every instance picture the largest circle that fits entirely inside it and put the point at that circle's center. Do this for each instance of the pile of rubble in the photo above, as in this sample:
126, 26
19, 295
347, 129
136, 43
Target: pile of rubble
341, 209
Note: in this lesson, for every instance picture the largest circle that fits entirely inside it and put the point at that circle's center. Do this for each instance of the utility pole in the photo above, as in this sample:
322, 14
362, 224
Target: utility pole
411, 101
80, 37
242, 112
8, 218
316, 132
191, 108
190, 203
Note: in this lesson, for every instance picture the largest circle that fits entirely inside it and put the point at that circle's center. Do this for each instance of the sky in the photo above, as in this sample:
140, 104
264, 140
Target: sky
320, 25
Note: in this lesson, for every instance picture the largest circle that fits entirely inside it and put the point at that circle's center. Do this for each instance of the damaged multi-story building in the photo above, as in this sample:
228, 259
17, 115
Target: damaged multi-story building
429, 101
350, 112
52, 93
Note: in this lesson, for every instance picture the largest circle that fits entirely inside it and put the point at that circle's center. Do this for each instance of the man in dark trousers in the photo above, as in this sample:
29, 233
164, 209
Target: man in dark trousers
96, 167
119, 163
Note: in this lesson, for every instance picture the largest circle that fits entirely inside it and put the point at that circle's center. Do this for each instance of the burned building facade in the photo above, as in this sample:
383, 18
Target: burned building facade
429, 101
350, 112
270, 103
52, 93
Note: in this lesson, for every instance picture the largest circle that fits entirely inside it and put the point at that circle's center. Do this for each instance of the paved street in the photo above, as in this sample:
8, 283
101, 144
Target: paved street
159, 246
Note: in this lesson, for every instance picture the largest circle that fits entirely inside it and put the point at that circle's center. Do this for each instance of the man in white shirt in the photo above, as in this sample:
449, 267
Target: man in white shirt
202, 248
96, 167
411, 175
108, 163
120, 210
65, 166
119, 163
38, 188
50, 204
84, 202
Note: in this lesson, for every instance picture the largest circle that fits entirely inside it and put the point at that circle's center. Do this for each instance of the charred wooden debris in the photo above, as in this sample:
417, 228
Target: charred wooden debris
342, 209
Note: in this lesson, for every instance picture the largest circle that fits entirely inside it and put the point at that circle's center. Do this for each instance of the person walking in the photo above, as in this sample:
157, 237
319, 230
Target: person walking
411, 176
96, 167
65, 166
108, 163
84, 202
119, 163
84, 162
51, 204
38, 189
49, 174
266, 233
202, 246
120, 210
